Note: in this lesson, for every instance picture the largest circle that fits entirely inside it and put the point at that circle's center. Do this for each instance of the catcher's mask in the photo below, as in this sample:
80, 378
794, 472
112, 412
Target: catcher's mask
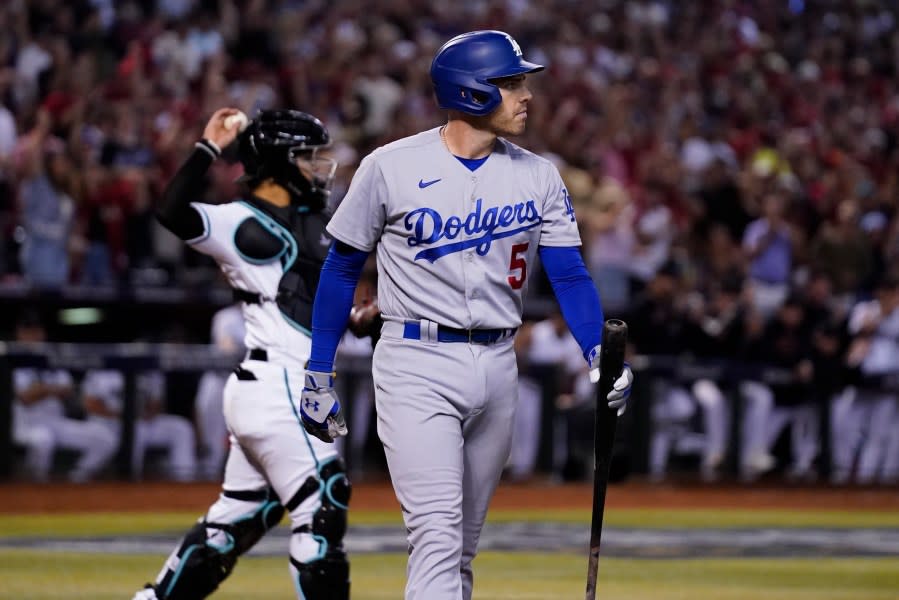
284, 145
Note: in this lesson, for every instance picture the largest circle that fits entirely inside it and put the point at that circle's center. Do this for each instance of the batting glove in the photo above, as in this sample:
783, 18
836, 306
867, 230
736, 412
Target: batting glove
320, 407
621, 389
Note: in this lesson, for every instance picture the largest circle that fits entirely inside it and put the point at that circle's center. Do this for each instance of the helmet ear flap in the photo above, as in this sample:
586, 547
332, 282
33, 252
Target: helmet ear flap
248, 153
471, 97
464, 68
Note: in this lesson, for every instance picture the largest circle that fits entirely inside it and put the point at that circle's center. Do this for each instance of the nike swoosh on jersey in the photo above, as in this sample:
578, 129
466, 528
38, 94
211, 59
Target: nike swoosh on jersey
423, 184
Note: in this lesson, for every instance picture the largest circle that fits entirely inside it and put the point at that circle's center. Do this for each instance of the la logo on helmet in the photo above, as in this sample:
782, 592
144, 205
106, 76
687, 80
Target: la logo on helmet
515, 45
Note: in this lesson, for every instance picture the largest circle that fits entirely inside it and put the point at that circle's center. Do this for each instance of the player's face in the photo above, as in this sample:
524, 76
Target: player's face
511, 116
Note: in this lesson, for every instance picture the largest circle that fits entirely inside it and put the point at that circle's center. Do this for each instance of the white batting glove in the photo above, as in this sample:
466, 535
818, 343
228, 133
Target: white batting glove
621, 389
320, 407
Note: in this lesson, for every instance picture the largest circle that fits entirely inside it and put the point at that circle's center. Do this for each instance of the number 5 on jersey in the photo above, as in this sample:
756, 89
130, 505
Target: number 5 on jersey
518, 263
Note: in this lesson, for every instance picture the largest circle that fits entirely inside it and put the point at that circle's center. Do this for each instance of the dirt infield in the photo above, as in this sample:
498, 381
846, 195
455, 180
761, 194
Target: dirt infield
162, 496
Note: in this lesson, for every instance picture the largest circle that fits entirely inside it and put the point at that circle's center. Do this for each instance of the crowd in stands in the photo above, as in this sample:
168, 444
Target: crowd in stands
734, 167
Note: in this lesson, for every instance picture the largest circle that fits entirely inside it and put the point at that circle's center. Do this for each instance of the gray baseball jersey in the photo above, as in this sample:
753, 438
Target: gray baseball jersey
455, 245
454, 248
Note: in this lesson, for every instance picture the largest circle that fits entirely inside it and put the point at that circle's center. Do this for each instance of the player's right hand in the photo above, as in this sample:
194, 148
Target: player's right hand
621, 389
320, 408
215, 130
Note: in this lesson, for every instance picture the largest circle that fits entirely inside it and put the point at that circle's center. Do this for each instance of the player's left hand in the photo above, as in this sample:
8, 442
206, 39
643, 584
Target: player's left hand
320, 407
621, 389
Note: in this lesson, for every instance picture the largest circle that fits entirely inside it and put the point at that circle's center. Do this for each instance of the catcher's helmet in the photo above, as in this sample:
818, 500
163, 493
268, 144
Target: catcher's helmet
463, 69
283, 145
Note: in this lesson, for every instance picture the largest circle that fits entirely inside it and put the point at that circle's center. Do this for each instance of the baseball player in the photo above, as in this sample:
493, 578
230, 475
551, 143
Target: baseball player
457, 215
865, 431
103, 396
40, 423
270, 247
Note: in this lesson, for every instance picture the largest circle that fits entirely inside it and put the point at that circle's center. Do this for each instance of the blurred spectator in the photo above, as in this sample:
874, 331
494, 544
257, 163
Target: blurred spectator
609, 243
103, 397
830, 377
721, 202
718, 330
841, 250
546, 350
768, 245
657, 103
40, 420
865, 424
680, 123
785, 343
8, 128
654, 231
379, 94
227, 335
48, 209
661, 324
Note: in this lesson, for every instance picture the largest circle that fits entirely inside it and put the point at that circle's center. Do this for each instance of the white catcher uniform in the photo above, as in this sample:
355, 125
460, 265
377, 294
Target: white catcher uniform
270, 247
453, 248
227, 333
268, 443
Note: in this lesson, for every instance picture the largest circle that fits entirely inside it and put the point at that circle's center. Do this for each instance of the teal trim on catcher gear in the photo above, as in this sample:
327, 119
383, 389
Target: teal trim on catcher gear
202, 562
244, 231
329, 490
326, 574
290, 249
299, 418
330, 519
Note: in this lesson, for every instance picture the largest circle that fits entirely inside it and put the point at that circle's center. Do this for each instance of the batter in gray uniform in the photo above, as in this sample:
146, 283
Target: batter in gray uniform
457, 216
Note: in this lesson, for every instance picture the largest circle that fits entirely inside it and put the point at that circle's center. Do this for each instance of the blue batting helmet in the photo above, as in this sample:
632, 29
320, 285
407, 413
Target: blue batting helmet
464, 67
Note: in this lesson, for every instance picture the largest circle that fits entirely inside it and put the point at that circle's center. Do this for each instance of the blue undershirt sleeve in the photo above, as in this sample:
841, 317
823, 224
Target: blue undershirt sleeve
333, 302
576, 294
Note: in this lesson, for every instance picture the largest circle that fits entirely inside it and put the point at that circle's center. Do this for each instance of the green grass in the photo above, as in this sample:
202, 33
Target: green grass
34, 575
40, 575
82, 524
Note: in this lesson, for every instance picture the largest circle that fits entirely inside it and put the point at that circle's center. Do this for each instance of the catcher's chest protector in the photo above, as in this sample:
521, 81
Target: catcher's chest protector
300, 246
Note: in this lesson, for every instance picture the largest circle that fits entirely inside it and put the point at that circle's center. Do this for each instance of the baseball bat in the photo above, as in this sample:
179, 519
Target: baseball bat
611, 363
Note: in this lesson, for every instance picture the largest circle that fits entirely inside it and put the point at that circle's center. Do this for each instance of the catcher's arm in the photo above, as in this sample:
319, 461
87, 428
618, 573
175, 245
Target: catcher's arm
173, 208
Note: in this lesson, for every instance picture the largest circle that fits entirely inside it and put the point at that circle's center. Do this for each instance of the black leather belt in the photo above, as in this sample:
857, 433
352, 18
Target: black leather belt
257, 354
412, 331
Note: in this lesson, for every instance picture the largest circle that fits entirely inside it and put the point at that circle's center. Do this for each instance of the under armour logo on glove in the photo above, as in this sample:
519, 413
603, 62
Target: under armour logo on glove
621, 389
320, 408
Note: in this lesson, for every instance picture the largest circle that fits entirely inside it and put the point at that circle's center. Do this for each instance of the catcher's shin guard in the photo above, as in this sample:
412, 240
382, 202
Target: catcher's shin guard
317, 559
208, 552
